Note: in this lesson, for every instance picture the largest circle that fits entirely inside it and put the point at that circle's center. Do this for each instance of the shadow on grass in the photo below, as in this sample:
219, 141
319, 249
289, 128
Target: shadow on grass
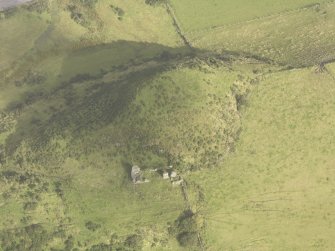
102, 102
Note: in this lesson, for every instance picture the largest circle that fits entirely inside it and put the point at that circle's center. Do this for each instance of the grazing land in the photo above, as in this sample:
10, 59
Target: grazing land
202, 15
226, 107
276, 189
302, 38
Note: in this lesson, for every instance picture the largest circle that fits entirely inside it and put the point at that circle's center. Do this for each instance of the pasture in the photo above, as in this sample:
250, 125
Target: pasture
236, 96
301, 38
202, 15
275, 192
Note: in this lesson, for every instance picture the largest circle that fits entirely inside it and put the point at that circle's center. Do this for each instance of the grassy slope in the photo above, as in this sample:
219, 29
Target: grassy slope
69, 213
79, 130
139, 23
24, 24
275, 192
302, 38
221, 12
54, 51
132, 107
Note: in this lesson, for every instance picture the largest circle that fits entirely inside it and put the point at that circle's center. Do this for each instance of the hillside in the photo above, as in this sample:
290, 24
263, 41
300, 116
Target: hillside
237, 105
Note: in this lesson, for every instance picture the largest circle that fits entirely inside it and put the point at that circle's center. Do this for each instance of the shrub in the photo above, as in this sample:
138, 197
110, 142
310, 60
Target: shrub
188, 239
31, 205
117, 10
38, 6
185, 229
89, 3
154, 2
58, 189
32, 237
69, 243
101, 247
92, 226
134, 242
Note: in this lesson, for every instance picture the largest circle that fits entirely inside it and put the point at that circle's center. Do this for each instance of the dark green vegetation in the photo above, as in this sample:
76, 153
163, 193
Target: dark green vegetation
243, 112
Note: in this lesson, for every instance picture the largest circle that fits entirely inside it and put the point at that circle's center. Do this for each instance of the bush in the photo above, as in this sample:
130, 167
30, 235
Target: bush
58, 189
185, 229
38, 6
101, 247
81, 78
92, 226
15, 106
188, 239
89, 3
118, 11
154, 2
32, 237
134, 242
69, 243
31, 205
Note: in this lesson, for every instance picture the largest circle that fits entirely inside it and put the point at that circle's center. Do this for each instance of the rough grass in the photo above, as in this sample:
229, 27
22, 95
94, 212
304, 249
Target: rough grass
55, 45
146, 113
55, 52
301, 38
87, 134
95, 91
275, 192
202, 15
25, 26
97, 196
150, 24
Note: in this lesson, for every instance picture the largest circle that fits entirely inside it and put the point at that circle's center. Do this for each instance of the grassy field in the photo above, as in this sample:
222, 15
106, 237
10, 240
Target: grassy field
301, 38
65, 202
54, 36
27, 25
70, 138
275, 192
202, 15
244, 112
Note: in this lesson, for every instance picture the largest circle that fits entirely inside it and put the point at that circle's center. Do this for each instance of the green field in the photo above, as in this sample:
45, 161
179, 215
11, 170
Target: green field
201, 15
274, 192
236, 97
24, 25
301, 38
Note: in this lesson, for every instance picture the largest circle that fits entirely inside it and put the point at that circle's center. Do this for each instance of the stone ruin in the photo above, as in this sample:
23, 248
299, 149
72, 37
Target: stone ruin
136, 175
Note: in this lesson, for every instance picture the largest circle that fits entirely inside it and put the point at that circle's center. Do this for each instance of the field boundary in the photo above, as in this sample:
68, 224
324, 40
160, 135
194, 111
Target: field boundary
329, 73
177, 25
184, 192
